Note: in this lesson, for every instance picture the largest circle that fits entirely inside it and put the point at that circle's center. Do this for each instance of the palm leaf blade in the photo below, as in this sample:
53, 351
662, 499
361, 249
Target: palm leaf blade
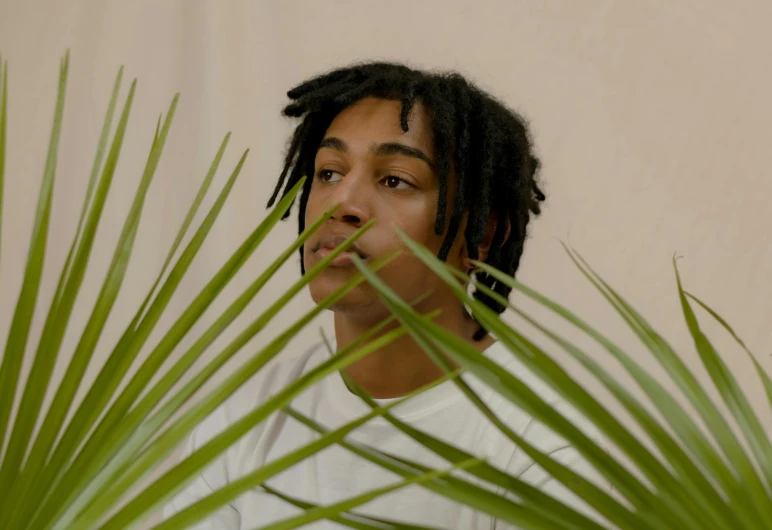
547, 506
671, 410
729, 389
325, 512
95, 453
418, 326
165, 443
756, 498
103, 387
25, 307
709, 500
105, 300
349, 519
452, 488
200, 509
765, 379
53, 333
111, 375
512, 388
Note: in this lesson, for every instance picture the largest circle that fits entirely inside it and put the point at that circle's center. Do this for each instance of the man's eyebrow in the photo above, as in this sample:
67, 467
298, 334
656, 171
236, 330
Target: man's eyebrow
385, 149
394, 148
334, 143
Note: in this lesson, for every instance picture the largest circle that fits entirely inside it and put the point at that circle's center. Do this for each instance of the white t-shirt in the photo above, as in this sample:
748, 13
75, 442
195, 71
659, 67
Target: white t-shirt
335, 473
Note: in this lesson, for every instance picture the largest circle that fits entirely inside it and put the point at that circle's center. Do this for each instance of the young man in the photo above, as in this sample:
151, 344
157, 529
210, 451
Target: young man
454, 169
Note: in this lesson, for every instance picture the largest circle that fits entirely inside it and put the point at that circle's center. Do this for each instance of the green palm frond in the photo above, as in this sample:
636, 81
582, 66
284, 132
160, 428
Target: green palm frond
256, 478
88, 463
76, 472
324, 512
349, 519
547, 507
694, 487
25, 307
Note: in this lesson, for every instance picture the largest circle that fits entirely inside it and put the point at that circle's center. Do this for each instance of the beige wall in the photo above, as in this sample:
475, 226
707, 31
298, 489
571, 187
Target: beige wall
652, 119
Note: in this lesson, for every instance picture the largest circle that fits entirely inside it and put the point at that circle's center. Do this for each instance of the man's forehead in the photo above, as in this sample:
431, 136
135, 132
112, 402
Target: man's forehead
373, 121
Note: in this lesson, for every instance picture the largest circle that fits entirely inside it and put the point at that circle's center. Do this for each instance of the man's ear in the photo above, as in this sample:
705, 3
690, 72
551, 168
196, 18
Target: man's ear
484, 247
493, 222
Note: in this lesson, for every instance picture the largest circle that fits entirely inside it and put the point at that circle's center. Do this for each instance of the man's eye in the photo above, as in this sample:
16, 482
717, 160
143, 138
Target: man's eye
328, 175
395, 183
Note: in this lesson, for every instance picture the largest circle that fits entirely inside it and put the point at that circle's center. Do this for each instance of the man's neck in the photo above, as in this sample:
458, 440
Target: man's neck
401, 366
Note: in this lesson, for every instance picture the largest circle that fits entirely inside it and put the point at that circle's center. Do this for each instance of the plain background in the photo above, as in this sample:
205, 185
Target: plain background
652, 119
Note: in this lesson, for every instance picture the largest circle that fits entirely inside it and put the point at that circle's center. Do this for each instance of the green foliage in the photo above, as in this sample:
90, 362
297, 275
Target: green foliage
711, 469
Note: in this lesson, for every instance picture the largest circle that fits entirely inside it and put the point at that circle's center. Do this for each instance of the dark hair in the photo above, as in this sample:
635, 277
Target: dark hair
486, 144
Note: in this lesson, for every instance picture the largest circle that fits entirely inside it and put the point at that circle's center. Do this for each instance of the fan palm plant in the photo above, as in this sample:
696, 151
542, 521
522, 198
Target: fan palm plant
113, 439
84, 473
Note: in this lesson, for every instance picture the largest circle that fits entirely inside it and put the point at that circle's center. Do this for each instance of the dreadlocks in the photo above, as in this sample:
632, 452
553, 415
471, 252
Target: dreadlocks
483, 142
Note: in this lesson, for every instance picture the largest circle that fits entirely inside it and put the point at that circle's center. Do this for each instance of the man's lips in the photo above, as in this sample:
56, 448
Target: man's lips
326, 244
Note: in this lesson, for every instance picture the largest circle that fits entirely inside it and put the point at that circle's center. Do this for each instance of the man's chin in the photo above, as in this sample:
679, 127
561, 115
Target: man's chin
359, 300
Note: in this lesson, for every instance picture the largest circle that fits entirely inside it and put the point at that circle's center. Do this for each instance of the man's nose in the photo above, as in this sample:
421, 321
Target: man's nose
352, 195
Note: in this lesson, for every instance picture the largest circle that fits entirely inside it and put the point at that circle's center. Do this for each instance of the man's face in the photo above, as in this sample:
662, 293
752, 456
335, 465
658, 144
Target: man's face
374, 170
